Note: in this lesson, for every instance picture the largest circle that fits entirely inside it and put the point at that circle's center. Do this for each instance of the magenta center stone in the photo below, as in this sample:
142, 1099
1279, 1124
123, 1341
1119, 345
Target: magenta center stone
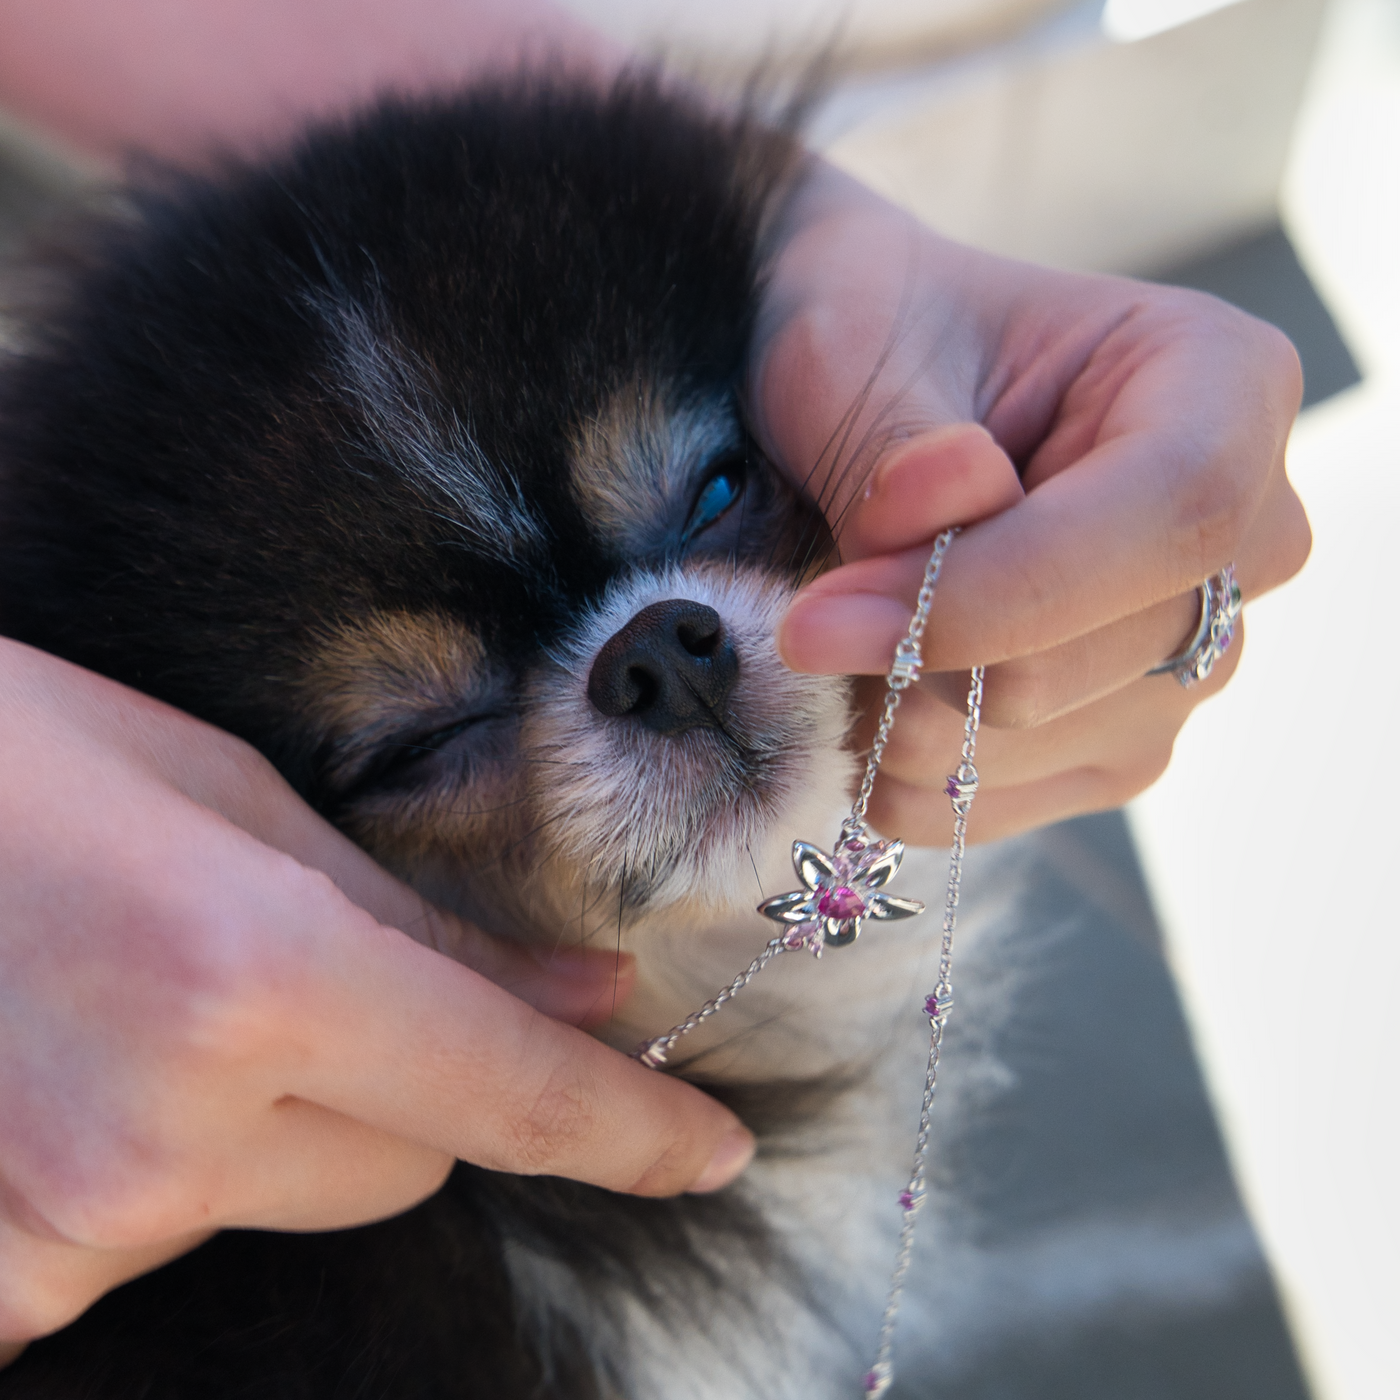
840, 902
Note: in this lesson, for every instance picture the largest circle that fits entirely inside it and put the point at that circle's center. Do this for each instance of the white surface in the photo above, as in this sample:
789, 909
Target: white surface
741, 31
1020, 125
1271, 844
1070, 149
1130, 20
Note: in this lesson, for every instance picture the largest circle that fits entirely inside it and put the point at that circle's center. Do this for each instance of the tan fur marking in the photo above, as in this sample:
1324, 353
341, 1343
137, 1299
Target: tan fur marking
634, 462
373, 675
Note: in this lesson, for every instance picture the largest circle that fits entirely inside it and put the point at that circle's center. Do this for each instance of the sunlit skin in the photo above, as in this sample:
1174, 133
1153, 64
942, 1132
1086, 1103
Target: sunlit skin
1148, 425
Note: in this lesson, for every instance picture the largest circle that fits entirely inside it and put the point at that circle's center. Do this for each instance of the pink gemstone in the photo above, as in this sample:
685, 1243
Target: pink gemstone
877, 1381
799, 936
840, 902
952, 788
854, 858
931, 1006
906, 1200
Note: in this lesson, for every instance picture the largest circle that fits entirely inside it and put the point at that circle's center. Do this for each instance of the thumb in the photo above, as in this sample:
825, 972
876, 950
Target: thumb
849, 619
949, 475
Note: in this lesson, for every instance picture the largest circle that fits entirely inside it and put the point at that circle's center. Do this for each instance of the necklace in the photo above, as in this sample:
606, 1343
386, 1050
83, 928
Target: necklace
840, 893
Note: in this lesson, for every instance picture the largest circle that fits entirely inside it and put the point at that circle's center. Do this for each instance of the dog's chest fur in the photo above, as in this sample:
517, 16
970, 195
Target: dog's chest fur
417, 458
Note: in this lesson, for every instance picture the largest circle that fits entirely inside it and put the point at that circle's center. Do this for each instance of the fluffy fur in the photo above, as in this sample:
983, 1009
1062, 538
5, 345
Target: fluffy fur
364, 453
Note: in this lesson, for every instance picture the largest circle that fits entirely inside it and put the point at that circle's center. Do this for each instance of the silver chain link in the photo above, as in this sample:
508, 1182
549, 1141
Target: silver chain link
654, 1053
908, 662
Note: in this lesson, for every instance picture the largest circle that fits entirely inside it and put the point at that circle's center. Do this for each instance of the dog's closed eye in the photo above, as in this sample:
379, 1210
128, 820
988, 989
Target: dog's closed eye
721, 490
400, 756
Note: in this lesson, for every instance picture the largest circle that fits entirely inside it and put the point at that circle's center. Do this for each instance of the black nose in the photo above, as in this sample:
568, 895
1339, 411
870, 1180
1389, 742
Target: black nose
671, 667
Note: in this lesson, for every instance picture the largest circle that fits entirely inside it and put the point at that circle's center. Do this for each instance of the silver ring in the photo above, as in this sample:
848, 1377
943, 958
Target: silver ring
1215, 630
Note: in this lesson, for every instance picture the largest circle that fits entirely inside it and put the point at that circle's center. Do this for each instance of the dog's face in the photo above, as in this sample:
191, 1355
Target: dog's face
591, 747
417, 458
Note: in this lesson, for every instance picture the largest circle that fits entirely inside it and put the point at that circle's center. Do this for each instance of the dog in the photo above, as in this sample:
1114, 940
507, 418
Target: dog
417, 456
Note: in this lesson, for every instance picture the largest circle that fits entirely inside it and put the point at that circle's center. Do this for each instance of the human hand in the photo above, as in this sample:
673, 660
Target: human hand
1148, 425
209, 1016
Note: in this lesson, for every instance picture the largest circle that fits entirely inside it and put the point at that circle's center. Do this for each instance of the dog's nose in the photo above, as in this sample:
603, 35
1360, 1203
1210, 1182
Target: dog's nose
671, 668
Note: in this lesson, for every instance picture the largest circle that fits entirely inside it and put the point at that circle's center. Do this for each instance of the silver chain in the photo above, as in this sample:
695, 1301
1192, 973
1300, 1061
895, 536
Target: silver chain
908, 661
653, 1053
881, 1373
961, 789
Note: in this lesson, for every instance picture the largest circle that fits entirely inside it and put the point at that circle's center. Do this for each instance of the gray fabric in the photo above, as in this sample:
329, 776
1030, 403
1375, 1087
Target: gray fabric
1104, 1248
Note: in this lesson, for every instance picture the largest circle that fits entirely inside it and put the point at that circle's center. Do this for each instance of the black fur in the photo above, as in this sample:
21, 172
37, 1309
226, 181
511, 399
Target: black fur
419, 1307
187, 495
415, 1308
189, 499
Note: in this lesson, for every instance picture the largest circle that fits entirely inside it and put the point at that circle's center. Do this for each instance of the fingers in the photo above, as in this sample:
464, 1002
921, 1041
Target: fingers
433, 1053
218, 1010
357, 1018
1055, 567
1093, 757
1030, 579
953, 475
224, 775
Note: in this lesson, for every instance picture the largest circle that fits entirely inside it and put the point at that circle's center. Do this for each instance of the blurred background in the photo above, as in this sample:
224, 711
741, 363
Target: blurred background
1251, 149
1186, 1186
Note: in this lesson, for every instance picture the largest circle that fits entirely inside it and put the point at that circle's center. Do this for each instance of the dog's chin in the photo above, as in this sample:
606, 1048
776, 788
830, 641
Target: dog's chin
688, 857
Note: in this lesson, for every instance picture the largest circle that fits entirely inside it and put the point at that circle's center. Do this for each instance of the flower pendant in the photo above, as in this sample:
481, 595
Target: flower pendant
839, 892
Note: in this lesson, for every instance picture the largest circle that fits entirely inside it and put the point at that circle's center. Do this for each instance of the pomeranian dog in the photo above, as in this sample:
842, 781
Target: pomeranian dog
416, 456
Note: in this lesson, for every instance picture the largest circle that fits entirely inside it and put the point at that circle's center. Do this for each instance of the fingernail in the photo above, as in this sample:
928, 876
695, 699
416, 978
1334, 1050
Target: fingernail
734, 1153
842, 633
879, 478
920, 446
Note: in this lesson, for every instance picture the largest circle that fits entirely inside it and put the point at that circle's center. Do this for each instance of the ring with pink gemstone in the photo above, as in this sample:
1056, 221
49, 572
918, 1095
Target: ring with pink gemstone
1220, 605
839, 892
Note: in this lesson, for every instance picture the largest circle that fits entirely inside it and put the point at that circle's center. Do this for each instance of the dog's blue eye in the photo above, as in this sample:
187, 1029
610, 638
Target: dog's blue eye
716, 496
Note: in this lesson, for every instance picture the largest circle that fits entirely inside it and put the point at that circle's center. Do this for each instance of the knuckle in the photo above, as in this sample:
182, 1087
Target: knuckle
204, 1009
217, 769
108, 1172
1296, 544
1280, 355
562, 1117
213, 969
126, 1201
1139, 775
1019, 694
242, 778
1289, 545
1225, 459
1213, 504
1114, 786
